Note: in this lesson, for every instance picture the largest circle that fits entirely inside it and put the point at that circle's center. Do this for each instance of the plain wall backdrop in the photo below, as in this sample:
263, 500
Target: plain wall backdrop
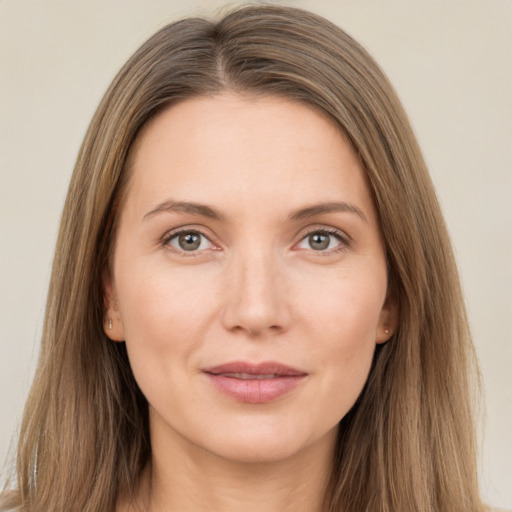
451, 63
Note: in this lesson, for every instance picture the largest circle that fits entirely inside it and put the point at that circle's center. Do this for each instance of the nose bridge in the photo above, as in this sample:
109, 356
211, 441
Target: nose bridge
256, 302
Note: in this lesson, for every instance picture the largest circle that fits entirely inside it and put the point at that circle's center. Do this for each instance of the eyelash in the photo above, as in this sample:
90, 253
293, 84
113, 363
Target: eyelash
168, 237
342, 238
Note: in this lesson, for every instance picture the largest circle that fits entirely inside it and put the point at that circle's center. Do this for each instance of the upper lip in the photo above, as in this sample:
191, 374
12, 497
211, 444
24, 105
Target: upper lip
263, 368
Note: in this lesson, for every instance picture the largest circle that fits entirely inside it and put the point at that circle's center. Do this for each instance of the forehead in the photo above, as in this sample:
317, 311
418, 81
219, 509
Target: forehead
257, 151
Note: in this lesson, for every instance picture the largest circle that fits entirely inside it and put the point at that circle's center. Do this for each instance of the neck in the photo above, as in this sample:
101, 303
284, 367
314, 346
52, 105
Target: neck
186, 478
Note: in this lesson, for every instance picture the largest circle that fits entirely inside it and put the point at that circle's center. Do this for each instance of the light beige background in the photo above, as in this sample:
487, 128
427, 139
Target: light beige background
451, 62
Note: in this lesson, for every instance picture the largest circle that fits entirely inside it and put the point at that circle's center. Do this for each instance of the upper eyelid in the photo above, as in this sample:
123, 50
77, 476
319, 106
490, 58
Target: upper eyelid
171, 233
319, 228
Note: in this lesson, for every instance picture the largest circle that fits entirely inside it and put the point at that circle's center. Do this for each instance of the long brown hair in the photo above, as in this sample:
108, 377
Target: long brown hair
408, 443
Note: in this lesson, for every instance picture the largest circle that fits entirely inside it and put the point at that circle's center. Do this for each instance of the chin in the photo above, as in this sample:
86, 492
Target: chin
270, 446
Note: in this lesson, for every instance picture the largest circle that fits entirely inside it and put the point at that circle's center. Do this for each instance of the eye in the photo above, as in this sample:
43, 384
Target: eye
188, 241
322, 240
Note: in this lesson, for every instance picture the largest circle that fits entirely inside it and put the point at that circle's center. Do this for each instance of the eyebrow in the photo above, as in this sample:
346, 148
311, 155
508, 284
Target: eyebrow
323, 208
203, 210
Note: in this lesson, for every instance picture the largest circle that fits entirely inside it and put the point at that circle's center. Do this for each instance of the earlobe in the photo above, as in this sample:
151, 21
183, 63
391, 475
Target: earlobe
112, 323
388, 321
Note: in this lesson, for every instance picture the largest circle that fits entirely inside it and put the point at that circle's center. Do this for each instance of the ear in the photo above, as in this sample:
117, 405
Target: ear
112, 322
388, 321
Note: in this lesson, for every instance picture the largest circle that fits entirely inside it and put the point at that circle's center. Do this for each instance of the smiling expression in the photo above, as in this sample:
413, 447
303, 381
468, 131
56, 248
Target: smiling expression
248, 278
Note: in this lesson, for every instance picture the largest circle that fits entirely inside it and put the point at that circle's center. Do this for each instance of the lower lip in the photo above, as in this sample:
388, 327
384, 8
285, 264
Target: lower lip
255, 391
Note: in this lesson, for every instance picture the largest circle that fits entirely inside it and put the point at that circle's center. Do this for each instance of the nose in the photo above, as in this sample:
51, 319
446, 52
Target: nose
256, 300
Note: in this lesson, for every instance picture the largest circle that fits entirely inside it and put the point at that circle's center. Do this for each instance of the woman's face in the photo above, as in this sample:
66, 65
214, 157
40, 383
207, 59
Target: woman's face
248, 278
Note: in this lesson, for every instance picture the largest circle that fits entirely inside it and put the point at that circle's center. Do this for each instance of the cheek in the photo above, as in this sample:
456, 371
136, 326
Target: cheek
346, 308
342, 326
164, 314
346, 361
156, 295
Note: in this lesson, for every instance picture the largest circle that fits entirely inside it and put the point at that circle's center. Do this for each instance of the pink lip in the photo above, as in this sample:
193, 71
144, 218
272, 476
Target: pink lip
245, 382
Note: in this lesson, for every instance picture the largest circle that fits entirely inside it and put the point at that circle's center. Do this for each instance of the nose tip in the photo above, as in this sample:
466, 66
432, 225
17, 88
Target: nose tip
256, 303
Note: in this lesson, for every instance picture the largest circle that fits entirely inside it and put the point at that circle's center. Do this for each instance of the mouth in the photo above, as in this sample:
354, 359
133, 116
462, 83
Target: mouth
249, 376
255, 383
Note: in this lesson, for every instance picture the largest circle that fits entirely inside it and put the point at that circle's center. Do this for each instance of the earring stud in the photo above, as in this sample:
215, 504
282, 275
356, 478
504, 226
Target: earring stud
110, 323
386, 331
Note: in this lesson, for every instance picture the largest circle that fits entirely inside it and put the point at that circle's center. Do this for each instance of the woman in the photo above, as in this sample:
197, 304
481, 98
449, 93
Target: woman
271, 316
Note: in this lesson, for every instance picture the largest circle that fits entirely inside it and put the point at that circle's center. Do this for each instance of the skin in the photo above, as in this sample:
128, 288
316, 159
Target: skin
257, 288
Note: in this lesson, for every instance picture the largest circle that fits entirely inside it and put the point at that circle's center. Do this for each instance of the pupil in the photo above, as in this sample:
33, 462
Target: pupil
319, 241
189, 241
